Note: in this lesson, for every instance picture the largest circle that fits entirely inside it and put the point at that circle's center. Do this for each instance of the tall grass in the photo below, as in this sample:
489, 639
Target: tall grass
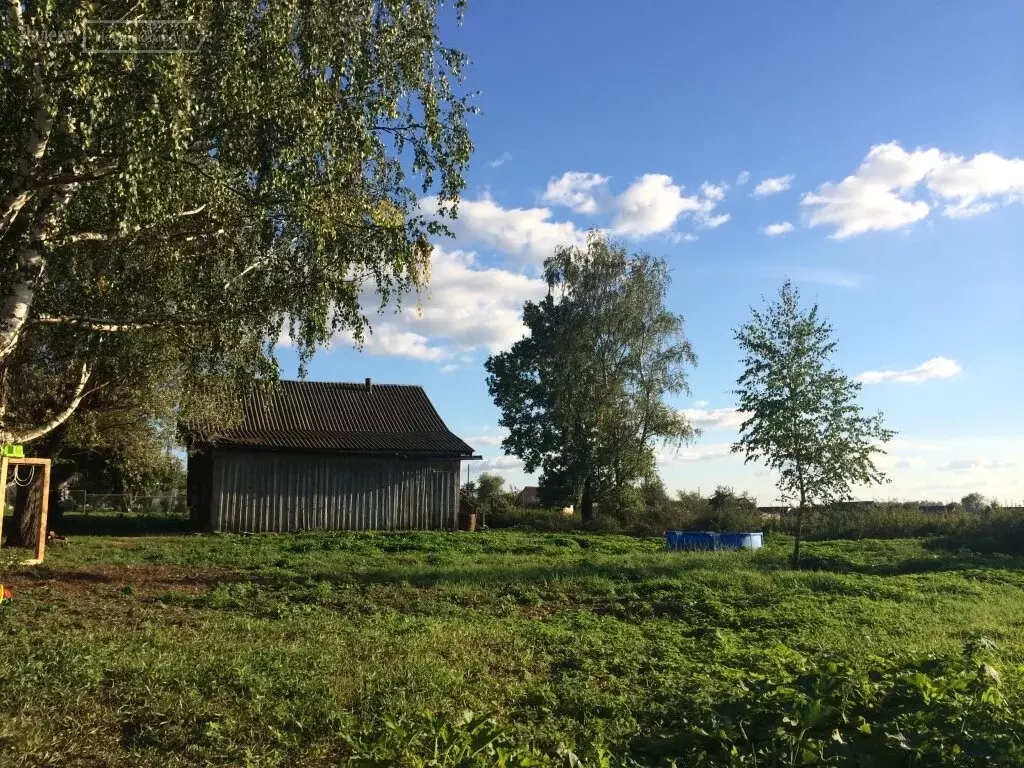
1000, 529
997, 530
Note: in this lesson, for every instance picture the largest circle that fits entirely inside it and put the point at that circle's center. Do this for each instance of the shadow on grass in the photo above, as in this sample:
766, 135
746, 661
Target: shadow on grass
943, 560
506, 574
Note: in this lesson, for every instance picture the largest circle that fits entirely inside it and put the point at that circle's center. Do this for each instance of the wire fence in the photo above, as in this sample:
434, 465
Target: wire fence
170, 502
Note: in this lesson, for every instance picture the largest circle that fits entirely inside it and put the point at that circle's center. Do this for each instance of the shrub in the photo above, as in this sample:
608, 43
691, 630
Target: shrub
917, 711
508, 515
999, 529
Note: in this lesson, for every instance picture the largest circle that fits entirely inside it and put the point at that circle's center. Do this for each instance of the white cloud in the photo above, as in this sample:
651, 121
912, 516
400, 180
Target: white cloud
970, 185
500, 160
575, 190
527, 233
387, 340
449, 368
653, 204
888, 461
716, 418
701, 404
935, 368
773, 185
773, 230
683, 237
743, 178
885, 191
978, 463
714, 192
708, 452
499, 463
466, 307
713, 222
485, 440
910, 462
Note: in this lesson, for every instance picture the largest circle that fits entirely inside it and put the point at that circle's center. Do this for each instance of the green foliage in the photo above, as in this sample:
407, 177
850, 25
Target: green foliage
316, 649
542, 519
489, 487
975, 503
1001, 530
803, 419
924, 710
186, 210
583, 395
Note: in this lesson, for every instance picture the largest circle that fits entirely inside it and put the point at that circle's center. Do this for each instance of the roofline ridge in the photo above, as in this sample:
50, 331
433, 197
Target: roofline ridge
360, 384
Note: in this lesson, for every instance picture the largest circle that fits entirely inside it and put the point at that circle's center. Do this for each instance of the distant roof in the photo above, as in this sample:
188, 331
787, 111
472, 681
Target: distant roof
529, 495
344, 417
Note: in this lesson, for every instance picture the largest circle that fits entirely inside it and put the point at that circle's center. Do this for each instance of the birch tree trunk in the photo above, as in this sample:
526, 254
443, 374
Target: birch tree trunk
18, 302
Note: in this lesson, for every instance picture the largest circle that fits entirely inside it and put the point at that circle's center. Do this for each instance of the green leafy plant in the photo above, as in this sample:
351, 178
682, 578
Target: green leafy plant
926, 710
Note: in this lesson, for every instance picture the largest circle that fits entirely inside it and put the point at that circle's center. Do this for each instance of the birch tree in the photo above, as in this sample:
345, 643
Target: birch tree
803, 420
245, 187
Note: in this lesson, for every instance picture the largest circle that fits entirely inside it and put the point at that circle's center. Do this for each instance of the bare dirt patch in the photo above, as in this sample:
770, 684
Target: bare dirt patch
144, 580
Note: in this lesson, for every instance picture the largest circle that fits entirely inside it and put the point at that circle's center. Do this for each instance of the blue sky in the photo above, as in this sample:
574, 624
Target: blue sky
885, 143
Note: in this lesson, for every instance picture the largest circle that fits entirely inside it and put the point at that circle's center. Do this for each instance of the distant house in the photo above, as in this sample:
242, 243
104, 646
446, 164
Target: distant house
774, 513
937, 509
329, 455
528, 497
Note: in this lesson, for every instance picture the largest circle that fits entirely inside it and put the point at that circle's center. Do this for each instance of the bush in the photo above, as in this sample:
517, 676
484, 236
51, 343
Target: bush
644, 511
544, 519
999, 529
916, 711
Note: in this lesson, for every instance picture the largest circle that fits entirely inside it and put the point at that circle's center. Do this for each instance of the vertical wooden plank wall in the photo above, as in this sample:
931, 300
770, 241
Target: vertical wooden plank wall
284, 491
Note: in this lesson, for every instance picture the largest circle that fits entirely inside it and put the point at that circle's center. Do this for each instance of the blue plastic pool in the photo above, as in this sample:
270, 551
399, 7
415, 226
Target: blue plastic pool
711, 540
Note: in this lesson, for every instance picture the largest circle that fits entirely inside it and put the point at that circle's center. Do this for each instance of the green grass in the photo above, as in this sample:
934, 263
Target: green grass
299, 650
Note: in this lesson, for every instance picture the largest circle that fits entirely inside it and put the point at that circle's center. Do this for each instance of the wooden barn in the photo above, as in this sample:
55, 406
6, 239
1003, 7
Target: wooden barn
323, 455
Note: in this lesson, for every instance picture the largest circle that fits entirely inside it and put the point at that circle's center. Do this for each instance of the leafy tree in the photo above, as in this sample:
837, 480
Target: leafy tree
730, 511
975, 503
118, 437
193, 207
583, 394
803, 420
489, 486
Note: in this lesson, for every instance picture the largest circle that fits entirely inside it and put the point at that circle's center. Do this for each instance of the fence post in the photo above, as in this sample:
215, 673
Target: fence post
3, 487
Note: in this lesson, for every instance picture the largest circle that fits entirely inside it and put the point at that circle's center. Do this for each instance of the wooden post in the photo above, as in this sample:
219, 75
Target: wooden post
6, 462
3, 487
44, 508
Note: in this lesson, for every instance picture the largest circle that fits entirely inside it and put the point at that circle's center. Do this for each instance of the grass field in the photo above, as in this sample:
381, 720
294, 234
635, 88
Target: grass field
334, 649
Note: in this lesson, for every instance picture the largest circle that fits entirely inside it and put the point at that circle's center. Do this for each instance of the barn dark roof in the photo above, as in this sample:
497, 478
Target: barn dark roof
529, 496
343, 417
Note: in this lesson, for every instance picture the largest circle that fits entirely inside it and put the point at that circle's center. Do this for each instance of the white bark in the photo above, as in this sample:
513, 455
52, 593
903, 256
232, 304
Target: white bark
18, 302
34, 434
90, 323
14, 13
35, 148
79, 237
